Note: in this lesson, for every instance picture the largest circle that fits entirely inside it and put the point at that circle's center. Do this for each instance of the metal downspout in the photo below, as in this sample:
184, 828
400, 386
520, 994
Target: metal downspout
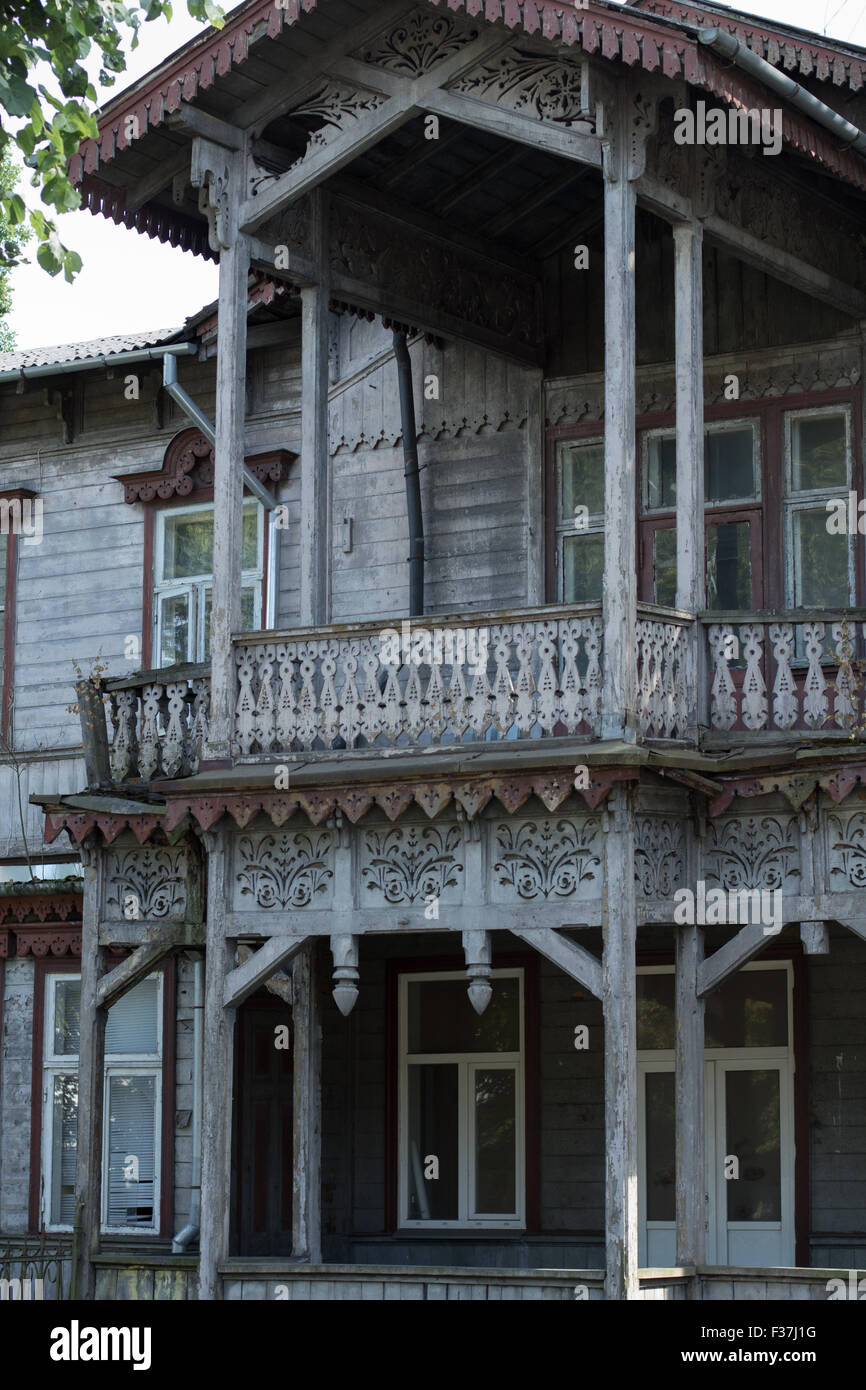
190, 1232
413, 480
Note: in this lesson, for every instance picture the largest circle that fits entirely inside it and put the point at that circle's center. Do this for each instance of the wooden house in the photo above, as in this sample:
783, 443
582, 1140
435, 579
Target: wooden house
471, 818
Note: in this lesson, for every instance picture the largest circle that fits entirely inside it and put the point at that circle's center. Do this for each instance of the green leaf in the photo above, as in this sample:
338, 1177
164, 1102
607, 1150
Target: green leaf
49, 259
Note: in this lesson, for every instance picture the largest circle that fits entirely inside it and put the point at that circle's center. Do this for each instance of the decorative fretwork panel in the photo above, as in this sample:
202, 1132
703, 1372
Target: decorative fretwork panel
146, 884
748, 852
412, 864
659, 856
284, 872
545, 859
159, 729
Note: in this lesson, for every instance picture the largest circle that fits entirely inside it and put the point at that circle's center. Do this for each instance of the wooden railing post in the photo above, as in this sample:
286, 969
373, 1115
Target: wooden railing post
689, 355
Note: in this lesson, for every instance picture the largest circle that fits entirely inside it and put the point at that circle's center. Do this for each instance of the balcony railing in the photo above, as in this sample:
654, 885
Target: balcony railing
527, 674
793, 673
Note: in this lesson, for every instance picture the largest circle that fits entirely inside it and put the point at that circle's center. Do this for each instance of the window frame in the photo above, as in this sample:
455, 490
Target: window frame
815, 499
44, 1064
197, 585
451, 965
7, 616
562, 530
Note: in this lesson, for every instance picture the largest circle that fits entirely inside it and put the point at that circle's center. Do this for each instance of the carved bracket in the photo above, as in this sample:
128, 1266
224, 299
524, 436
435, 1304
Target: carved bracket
344, 949
478, 949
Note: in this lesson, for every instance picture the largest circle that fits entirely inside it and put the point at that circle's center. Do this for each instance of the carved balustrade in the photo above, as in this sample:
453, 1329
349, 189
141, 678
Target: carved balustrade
159, 721
798, 672
664, 672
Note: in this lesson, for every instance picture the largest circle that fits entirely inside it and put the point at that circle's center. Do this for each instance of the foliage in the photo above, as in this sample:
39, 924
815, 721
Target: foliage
11, 241
58, 35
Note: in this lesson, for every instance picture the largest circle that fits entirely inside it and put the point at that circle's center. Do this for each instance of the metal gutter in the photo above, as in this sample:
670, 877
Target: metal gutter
88, 364
727, 46
413, 481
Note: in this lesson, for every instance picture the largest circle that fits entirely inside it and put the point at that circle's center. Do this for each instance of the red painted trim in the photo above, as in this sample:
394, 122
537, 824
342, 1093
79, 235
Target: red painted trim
802, 1213
147, 591
169, 1088
528, 963
6, 732
42, 969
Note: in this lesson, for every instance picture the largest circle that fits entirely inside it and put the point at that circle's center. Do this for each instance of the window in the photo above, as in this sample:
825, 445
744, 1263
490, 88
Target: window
183, 580
461, 1103
580, 534
732, 473
820, 570
132, 1106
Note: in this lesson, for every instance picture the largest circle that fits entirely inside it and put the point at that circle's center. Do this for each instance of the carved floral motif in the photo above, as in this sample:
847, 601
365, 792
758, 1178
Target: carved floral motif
411, 864
546, 88
752, 852
847, 849
285, 871
146, 883
658, 856
546, 858
418, 44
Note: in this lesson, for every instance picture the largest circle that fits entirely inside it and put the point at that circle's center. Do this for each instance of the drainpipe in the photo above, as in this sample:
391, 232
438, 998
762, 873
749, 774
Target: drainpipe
728, 47
413, 480
89, 364
190, 1232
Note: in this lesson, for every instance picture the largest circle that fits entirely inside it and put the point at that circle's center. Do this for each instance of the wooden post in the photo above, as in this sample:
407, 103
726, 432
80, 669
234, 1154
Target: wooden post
91, 1085
620, 1051
216, 1122
689, 352
228, 491
691, 1178
315, 455
619, 697
307, 1109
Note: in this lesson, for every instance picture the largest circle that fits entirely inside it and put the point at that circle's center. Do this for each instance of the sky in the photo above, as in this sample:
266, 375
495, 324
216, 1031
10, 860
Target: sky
130, 283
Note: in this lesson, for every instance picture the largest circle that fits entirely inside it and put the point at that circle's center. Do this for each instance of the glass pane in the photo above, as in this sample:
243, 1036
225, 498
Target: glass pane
64, 1137
132, 1023
441, 1018
729, 565
818, 452
752, 1137
660, 1145
131, 1150
729, 464
665, 566
582, 469
250, 551
662, 473
174, 629
583, 562
820, 563
67, 1029
188, 545
495, 1143
655, 1011
433, 1133
749, 1010
248, 614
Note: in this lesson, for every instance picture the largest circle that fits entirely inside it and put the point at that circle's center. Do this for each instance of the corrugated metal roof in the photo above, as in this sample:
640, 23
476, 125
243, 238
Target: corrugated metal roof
94, 347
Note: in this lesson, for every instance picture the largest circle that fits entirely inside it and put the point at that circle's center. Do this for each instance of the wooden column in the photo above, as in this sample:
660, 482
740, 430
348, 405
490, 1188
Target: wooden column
689, 330
228, 490
216, 1120
691, 1202
315, 456
91, 1086
620, 1051
307, 1109
619, 696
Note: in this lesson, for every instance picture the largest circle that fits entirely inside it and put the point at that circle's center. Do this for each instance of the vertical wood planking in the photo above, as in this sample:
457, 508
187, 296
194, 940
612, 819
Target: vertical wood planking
689, 367
91, 1087
315, 457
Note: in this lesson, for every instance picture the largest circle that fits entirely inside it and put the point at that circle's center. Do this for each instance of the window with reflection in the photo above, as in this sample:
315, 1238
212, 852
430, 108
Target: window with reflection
580, 520
183, 580
461, 1120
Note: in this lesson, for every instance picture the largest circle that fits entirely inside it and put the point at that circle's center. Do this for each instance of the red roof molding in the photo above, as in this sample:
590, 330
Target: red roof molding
187, 470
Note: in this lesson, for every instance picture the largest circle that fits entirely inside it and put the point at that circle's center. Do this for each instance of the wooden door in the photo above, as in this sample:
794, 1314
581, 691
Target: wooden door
263, 1130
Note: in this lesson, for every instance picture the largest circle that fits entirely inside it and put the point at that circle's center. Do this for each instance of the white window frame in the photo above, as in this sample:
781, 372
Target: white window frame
195, 586
116, 1064
467, 1064
750, 422
564, 526
814, 499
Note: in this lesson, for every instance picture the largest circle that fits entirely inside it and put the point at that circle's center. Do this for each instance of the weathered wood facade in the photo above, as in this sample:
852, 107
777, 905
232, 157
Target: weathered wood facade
338, 812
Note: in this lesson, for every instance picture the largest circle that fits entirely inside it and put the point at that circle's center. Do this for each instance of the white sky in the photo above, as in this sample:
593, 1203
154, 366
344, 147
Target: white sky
130, 283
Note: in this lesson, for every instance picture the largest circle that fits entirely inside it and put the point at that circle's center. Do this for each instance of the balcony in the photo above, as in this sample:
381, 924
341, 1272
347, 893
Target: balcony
438, 683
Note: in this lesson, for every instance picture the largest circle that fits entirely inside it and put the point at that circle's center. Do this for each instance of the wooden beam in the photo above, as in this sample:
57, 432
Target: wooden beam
689, 373
619, 597
689, 1108
570, 230
315, 455
193, 121
815, 937
219, 1027
91, 1086
781, 265
854, 924
575, 960
620, 1053
135, 968
525, 130
307, 1109
245, 979
153, 183
728, 959
415, 159
495, 165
